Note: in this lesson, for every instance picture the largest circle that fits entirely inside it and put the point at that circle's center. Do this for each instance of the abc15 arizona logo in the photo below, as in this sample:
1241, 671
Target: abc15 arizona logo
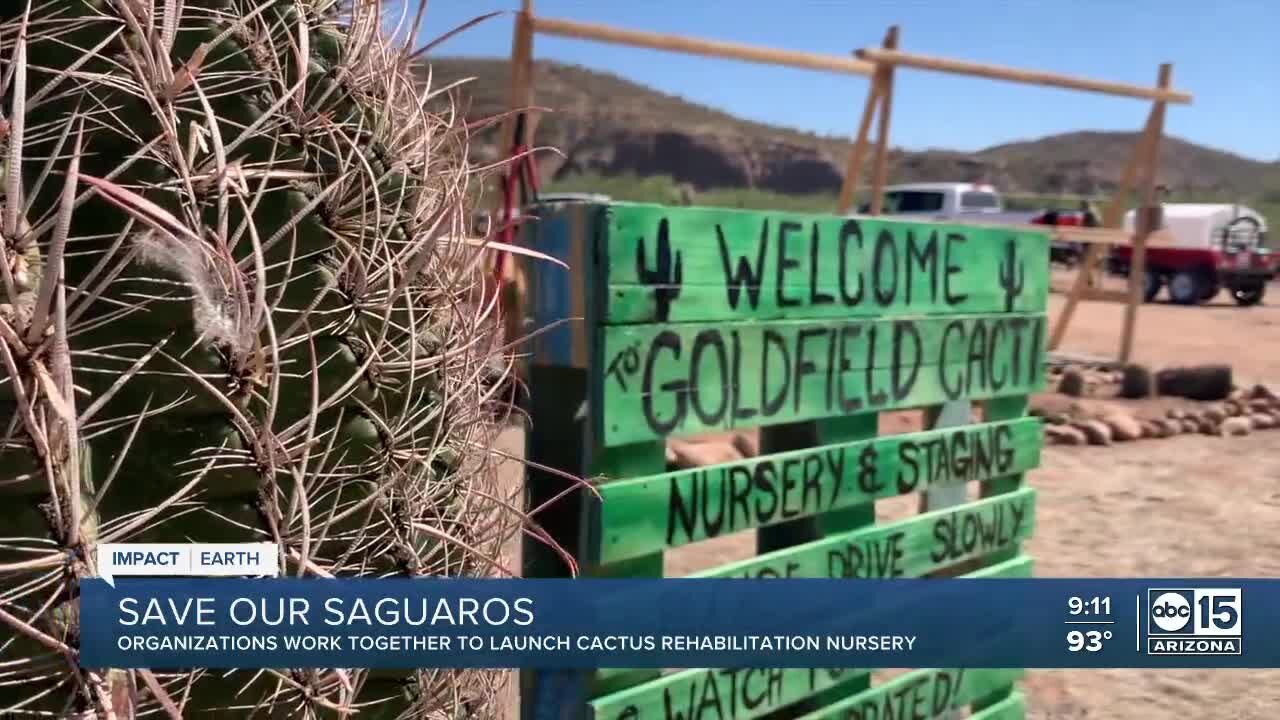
1194, 621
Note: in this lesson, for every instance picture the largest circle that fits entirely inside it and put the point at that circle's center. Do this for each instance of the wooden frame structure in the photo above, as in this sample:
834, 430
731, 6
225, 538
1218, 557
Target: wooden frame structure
880, 65
520, 95
575, 368
1142, 168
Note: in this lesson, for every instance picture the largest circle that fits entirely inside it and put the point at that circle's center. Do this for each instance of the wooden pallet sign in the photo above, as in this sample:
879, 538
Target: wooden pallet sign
678, 321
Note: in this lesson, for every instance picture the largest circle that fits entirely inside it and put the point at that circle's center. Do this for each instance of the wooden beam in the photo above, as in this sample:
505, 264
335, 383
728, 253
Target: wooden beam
520, 96
1079, 287
1100, 235
1113, 216
519, 93
880, 171
1062, 233
526, 88
699, 46
1028, 77
858, 152
1110, 296
1112, 219
1138, 263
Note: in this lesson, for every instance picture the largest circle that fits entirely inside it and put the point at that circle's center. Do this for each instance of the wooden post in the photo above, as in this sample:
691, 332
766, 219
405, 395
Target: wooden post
1144, 228
520, 95
1112, 217
859, 150
881, 171
997, 409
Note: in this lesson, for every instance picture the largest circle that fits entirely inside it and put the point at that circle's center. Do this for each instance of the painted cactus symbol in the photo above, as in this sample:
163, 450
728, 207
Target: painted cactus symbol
1012, 275
665, 277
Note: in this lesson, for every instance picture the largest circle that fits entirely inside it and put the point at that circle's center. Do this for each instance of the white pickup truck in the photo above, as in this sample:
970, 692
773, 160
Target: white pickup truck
978, 203
951, 201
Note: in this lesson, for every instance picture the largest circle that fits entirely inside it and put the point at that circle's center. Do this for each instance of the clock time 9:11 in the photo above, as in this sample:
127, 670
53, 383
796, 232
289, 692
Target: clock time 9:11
1094, 606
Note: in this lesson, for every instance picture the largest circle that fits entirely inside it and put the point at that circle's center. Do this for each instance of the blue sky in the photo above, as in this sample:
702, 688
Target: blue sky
1227, 53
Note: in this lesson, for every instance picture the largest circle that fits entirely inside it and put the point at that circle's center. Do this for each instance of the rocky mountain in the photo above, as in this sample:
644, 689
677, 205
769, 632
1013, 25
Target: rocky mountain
604, 124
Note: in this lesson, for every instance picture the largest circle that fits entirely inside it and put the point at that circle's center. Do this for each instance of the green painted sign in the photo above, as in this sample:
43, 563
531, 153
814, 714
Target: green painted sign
913, 547
664, 264
647, 514
659, 380
919, 694
1013, 707
741, 693
704, 319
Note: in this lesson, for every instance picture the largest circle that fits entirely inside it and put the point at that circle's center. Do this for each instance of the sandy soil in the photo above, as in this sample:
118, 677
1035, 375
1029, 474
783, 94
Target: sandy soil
1167, 334
1187, 506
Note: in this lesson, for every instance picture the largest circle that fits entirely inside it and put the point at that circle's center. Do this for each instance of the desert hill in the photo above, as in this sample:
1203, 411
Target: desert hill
607, 125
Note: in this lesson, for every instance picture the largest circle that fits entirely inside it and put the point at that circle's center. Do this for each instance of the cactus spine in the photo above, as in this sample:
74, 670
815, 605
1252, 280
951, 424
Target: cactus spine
234, 306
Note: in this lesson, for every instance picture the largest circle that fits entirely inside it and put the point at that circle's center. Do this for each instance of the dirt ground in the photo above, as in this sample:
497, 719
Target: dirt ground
1186, 506
1191, 505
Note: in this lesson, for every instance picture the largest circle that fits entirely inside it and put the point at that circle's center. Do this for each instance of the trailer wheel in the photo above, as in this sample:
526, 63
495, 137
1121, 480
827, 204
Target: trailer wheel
1186, 287
1152, 288
1246, 297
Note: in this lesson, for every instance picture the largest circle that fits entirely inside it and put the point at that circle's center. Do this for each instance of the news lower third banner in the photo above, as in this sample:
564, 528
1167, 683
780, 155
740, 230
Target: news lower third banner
675, 623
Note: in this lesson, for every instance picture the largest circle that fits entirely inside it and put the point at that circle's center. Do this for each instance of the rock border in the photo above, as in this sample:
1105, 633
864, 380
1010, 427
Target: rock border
1246, 411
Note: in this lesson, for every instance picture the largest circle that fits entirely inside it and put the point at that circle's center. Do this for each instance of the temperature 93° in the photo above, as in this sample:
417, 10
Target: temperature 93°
1083, 613
1087, 640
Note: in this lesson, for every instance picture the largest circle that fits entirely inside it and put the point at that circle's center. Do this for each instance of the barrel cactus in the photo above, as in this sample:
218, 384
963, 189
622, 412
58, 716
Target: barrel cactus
236, 304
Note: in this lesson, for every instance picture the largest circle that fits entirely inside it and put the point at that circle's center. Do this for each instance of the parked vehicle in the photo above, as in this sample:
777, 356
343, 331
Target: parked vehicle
1060, 251
976, 203
950, 201
1214, 246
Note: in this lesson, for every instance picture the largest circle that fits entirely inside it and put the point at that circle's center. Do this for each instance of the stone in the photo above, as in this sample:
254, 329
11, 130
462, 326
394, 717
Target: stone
1176, 414
1150, 430
1262, 392
1065, 435
1260, 405
1236, 426
1167, 428
1095, 431
1199, 382
1233, 408
1123, 427
693, 455
747, 443
1072, 383
1190, 425
1261, 421
1214, 414
1136, 382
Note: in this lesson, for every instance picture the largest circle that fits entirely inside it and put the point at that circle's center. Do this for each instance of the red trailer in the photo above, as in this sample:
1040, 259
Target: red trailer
1214, 247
